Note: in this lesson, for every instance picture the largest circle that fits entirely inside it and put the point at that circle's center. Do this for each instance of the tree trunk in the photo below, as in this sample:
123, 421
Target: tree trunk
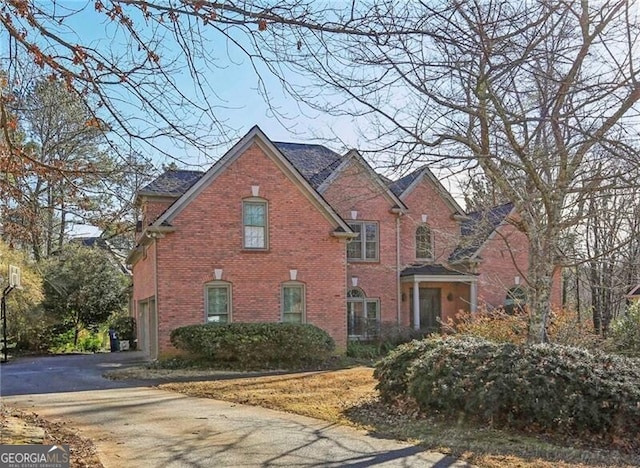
541, 269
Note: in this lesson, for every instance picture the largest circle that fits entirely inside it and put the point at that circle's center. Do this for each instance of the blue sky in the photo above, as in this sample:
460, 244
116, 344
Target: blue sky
236, 85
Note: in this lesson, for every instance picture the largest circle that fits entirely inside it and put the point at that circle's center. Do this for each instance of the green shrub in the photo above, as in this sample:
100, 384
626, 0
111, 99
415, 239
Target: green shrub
363, 350
393, 335
255, 345
548, 388
87, 342
124, 326
392, 371
624, 333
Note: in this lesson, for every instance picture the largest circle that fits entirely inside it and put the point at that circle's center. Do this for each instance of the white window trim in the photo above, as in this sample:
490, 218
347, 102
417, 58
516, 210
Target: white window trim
362, 239
218, 284
264, 202
297, 284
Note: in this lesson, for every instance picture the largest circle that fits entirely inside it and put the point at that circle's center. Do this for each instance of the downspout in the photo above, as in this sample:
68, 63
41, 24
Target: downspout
398, 212
398, 287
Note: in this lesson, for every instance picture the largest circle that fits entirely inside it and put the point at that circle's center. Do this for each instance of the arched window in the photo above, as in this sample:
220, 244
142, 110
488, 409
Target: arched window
363, 315
424, 243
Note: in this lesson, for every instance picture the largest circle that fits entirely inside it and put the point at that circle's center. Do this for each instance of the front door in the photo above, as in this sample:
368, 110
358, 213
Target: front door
430, 309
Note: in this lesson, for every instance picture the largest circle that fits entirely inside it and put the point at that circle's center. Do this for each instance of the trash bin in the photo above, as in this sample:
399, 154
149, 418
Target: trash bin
114, 342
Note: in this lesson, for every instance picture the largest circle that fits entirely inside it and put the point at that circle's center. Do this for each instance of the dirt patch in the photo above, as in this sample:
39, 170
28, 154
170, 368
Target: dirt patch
20, 427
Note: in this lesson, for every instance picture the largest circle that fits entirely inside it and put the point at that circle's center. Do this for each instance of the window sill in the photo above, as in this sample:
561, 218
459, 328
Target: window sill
255, 250
355, 260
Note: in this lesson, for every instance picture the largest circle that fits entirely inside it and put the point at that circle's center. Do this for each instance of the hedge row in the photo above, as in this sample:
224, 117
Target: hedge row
255, 345
548, 388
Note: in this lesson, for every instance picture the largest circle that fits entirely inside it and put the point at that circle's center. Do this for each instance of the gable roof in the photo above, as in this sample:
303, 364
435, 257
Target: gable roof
255, 135
314, 162
355, 156
477, 229
405, 185
171, 183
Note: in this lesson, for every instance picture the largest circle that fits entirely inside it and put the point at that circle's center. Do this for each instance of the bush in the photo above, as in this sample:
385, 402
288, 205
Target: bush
624, 333
87, 342
393, 371
497, 326
546, 388
565, 327
363, 350
393, 335
124, 326
255, 345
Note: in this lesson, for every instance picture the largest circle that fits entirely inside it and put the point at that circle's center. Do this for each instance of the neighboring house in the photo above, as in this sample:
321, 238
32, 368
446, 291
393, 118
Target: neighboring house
296, 232
117, 256
634, 294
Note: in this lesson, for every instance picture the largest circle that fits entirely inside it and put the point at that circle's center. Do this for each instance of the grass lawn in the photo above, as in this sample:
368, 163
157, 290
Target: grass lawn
349, 397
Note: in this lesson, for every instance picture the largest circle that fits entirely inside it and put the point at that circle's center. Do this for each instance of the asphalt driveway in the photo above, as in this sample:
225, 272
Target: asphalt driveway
135, 426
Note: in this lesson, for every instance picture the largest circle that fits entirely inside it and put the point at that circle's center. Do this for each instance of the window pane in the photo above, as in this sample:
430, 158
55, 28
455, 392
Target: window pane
354, 247
423, 242
254, 214
217, 304
371, 247
292, 304
254, 237
372, 310
355, 318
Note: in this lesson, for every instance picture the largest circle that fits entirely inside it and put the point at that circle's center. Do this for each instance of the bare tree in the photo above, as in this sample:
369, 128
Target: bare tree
155, 72
530, 92
533, 93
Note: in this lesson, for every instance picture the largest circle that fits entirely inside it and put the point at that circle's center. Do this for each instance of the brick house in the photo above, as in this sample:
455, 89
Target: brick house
296, 232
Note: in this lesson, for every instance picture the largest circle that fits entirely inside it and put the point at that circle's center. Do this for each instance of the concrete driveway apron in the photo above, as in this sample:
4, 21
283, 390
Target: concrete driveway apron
146, 427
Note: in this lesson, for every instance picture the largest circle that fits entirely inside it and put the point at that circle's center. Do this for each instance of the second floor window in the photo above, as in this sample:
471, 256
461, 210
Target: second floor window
254, 224
424, 243
365, 246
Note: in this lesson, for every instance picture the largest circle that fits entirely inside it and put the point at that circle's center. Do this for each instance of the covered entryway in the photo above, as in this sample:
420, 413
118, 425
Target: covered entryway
430, 309
435, 294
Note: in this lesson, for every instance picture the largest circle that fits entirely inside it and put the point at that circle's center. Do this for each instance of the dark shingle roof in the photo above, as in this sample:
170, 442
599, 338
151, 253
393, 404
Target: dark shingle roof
477, 228
314, 162
400, 185
172, 183
431, 270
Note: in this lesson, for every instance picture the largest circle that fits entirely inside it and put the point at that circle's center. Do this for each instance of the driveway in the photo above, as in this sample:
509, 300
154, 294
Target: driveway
136, 426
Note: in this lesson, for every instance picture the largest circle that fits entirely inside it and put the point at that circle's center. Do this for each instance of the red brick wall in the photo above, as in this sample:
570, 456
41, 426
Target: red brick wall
425, 199
152, 208
144, 284
504, 257
209, 236
353, 190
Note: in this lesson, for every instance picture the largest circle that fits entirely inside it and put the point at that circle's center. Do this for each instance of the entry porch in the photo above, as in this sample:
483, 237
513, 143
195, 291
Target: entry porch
433, 294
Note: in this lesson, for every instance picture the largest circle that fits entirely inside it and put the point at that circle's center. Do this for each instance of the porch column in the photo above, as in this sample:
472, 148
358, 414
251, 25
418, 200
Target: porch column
474, 297
416, 304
